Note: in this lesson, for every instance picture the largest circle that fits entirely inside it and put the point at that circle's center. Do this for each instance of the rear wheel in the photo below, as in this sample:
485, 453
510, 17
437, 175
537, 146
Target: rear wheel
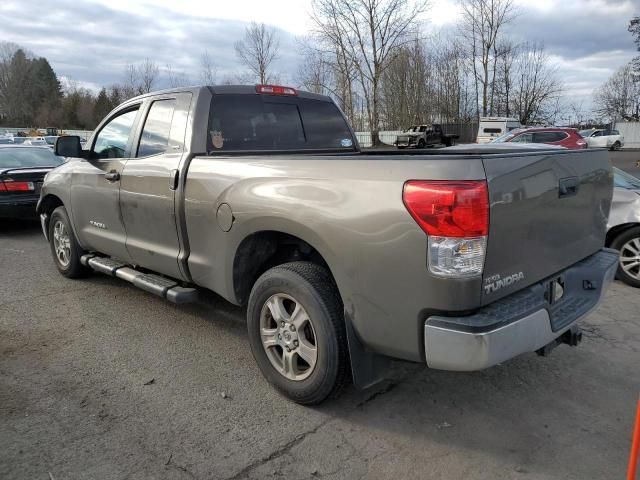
64, 246
628, 244
297, 332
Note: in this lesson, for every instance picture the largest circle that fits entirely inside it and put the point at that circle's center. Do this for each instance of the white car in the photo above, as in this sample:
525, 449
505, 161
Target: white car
603, 138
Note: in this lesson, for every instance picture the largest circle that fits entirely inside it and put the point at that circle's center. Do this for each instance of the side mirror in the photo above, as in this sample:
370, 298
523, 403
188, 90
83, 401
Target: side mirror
69, 146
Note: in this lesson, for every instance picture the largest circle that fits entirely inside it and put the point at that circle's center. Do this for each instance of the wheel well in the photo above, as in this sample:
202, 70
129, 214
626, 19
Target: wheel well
617, 230
47, 206
263, 250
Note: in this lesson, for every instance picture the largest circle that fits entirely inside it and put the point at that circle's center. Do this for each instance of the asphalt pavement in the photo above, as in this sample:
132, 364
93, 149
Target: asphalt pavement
100, 380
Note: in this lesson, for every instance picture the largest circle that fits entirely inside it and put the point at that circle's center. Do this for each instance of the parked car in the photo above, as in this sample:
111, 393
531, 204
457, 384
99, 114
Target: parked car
624, 226
560, 136
602, 138
6, 141
420, 136
342, 258
490, 128
51, 140
19, 140
36, 141
22, 170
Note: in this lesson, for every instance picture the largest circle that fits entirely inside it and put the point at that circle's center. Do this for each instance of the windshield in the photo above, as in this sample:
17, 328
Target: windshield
624, 180
586, 133
20, 157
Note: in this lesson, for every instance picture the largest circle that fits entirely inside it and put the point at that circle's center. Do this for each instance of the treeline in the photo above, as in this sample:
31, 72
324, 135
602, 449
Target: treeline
374, 58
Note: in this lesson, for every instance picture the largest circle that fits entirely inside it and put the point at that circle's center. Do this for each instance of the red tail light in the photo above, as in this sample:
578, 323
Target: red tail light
449, 208
11, 186
276, 90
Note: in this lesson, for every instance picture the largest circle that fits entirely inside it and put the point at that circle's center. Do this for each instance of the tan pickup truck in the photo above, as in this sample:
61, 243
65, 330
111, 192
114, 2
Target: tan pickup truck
459, 258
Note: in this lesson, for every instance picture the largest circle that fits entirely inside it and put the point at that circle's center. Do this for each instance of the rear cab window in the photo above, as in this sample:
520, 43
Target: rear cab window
245, 122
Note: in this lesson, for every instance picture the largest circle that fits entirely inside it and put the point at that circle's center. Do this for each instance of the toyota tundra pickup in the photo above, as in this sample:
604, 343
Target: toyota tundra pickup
459, 258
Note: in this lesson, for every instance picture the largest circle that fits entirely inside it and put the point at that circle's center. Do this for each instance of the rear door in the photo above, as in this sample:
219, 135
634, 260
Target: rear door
149, 182
547, 212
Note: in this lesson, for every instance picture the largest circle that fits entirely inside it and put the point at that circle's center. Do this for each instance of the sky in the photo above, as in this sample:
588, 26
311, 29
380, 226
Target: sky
92, 41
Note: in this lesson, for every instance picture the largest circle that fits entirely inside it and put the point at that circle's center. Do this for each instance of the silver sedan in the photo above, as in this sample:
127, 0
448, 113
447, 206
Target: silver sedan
624, 226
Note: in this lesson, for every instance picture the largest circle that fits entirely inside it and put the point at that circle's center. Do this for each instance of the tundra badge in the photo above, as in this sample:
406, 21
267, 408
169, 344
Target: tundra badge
495, 282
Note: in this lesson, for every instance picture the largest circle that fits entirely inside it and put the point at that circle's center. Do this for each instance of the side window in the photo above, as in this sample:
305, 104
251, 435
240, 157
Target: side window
492, 130
524, 138
615, 132
549, 137
112, 140
157, 128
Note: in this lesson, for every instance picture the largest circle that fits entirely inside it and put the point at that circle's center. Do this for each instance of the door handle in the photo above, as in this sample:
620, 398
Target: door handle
568, 187
112, 176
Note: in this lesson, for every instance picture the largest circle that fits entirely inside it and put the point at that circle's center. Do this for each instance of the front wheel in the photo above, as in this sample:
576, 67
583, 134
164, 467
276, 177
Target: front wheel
628, 244
64, 246
297, 332
616, 146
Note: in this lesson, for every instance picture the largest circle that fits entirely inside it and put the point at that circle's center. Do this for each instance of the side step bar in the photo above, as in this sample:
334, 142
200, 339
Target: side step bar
156, 284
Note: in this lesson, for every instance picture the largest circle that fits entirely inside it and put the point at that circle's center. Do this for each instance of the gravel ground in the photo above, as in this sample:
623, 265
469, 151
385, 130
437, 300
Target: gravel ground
99, 380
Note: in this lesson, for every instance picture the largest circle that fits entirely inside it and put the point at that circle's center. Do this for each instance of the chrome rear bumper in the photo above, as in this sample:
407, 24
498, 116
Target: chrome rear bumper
455, 343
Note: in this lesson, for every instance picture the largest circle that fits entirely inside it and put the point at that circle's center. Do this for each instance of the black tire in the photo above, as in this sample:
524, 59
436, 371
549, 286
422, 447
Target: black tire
618, 243
421, 143
616, 146
314, 289
73, 268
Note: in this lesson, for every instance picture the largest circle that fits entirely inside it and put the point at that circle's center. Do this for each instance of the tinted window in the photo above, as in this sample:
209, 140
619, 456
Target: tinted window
324, 125
111, 142
492, 130
28, 157
524, 138
549, 137
157, 127
257, 122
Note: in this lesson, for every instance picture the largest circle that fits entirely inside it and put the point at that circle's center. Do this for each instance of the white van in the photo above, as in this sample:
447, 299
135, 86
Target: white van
492, 127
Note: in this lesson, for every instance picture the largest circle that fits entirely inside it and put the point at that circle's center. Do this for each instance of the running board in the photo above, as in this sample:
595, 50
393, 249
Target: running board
156, 284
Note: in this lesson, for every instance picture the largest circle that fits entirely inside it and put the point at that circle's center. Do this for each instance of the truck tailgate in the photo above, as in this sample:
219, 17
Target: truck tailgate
548, 210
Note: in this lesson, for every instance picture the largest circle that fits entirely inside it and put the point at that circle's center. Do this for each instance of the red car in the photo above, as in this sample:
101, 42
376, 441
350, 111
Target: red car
564, 137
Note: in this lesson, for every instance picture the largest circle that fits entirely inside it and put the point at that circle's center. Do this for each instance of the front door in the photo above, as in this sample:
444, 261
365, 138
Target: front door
149, 182
95, 187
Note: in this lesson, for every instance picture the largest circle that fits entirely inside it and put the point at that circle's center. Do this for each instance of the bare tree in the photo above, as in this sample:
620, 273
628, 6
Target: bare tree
258, 51
208, 69
482, 24
149, 73
619, 96
175, 78
536, 88
140, 78
367, 34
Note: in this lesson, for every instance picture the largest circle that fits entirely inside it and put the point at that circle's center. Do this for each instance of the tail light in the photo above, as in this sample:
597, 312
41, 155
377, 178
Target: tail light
455, 217
582, 143
275, 90
12, 186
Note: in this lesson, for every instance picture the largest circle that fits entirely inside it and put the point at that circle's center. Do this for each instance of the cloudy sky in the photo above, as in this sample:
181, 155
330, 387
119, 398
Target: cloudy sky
91, 41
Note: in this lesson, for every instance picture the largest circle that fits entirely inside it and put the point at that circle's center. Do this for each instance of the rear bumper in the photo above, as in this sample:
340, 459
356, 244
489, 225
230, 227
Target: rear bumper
520, 323
18, 208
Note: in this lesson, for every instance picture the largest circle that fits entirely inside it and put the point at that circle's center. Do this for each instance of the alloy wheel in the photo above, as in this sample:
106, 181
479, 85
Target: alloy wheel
288, 337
